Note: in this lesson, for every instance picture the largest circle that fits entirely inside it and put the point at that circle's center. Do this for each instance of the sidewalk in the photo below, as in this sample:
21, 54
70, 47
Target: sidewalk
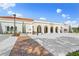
25, 46
6, 44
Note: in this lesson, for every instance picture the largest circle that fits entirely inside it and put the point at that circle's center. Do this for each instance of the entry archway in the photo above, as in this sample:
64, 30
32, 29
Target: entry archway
51, 29
45, 29
56, 29
39, 29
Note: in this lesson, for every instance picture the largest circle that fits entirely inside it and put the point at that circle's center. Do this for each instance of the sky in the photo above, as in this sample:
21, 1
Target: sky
55, 12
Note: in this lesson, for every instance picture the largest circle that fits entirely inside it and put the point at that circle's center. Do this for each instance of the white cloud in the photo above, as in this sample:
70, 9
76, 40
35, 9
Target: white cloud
17, 14
42, 18
72, 23
68, 17
10, 12
64, 15
8, 6
59, 10
5, 6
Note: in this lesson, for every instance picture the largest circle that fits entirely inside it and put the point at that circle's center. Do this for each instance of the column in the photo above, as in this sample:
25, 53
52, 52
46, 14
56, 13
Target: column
42, 28
48, 29
59, 29
54, 29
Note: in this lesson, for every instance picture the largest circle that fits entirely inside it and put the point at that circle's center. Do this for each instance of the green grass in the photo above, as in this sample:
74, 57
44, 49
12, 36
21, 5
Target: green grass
76, 53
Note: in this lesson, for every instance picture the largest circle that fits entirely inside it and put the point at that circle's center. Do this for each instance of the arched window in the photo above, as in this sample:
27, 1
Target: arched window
11, 28
38, 29
56, 29
8, 28
45, 29
65, 30
51, 29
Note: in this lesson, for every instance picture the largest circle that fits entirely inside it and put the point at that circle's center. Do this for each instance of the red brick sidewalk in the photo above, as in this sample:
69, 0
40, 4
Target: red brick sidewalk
25, 46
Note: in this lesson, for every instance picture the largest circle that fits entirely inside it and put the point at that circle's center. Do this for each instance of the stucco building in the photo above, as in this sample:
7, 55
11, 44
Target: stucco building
30, 26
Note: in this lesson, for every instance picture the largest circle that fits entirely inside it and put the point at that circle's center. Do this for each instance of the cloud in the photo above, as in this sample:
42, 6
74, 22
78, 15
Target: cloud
6, 6
59, 10
10, 12
42, 18
17, 14
72, 23
64, 15
68, 17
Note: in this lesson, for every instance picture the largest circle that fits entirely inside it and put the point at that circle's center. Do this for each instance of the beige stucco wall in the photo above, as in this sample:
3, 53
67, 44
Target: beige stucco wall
42, 24
32, 26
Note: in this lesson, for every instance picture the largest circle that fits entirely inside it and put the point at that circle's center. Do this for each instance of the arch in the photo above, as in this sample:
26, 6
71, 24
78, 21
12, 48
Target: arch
45, 29
11, 28
38, 29
56, 29
51, 29
8, 28
65, 30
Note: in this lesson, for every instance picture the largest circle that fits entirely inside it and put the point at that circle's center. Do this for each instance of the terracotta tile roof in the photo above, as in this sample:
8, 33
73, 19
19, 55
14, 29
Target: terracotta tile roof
17, 18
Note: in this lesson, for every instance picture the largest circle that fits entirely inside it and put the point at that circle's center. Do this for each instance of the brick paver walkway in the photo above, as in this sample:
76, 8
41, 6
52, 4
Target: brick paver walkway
25, 46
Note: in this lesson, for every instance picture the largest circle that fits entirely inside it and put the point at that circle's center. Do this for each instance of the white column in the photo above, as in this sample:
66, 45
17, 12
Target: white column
62, 30
54, 29
59, 29
42, 28
49, 29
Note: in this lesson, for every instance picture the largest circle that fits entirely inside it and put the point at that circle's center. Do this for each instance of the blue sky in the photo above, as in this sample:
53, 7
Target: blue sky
58, 12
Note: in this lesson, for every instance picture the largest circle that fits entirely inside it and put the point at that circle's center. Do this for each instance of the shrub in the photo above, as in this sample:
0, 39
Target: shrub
17, 34
76, 53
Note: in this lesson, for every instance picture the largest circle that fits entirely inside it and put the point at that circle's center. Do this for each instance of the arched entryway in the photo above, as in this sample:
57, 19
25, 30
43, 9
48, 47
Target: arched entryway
56, 29
65, 30
45, 29
51, 29
39, 29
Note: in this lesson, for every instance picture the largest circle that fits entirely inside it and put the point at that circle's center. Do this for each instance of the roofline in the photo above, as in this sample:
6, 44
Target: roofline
18, 18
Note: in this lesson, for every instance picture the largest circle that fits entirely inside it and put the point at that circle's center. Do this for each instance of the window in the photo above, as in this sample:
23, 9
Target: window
11, 28
8, 28
65, 30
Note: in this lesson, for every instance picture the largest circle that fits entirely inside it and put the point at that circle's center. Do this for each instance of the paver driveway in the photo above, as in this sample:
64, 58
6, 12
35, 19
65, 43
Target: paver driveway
26, 46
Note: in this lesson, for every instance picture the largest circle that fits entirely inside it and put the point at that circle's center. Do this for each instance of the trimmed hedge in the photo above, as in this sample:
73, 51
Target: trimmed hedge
76, 53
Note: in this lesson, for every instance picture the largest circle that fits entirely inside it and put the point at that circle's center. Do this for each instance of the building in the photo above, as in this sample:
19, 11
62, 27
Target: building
30, 26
